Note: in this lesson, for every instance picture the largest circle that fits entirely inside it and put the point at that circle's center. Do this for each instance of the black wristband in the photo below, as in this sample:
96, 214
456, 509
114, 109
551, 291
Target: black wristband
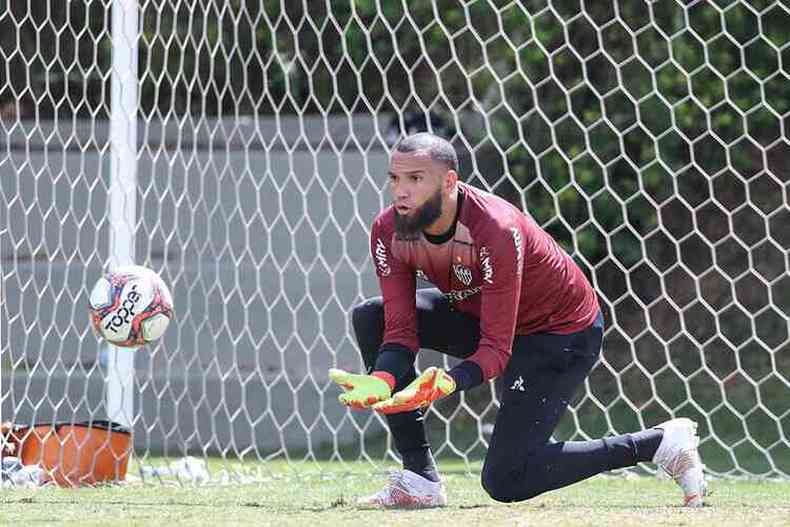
395, 359
466, 375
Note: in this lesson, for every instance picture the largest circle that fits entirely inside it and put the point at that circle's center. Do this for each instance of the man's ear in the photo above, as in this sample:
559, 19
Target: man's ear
451, 180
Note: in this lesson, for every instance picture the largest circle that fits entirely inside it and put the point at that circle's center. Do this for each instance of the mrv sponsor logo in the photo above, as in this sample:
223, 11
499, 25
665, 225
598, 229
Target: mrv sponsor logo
519, 251
381, 258
486, 266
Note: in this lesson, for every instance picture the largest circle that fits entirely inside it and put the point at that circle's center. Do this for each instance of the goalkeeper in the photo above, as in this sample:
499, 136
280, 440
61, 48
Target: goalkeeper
510, 303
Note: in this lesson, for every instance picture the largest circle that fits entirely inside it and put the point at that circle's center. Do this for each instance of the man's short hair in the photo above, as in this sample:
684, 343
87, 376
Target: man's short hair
438, 148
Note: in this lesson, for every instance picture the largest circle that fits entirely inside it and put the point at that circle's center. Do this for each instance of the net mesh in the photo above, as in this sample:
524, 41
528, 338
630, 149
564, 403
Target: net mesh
650, 138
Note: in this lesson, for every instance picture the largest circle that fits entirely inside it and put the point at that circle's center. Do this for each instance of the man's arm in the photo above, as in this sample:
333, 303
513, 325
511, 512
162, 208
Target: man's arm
501, 255
398, 288
399, 344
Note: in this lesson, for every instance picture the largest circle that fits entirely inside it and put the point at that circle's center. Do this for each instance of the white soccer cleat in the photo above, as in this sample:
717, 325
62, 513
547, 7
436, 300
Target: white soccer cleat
678, 456
407, 490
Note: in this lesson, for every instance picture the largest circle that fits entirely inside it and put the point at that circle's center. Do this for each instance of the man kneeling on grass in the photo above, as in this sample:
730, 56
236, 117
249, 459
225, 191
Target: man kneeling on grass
509, 302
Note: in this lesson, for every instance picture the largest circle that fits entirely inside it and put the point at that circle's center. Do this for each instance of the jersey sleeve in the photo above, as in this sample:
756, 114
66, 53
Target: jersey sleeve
500, 252
398, 288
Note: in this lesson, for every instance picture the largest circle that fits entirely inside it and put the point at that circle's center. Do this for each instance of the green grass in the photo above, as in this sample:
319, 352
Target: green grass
313, 494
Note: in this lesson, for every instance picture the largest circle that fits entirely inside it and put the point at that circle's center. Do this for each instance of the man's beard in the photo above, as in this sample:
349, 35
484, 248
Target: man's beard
409, 227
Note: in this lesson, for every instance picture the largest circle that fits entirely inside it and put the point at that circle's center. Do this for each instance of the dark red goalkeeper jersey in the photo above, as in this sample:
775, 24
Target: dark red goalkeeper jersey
500, 266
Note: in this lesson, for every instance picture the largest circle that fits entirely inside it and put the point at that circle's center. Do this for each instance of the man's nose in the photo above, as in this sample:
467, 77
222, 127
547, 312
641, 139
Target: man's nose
400, 191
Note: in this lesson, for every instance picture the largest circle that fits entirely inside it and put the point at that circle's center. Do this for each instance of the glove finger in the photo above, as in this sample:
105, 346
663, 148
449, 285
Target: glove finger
389, 407
382, 406
433, 389
434, 379
355, 405
403, 397
444, 383
428, 375
337, 375
341, 378
347, 400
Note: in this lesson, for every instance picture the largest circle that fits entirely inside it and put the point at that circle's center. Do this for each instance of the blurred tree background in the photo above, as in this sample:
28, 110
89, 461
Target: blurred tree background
649, 137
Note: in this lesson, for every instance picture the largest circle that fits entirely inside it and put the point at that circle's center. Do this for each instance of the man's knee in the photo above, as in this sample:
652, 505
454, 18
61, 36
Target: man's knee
367, 320
368, 315
506, 486
498, 484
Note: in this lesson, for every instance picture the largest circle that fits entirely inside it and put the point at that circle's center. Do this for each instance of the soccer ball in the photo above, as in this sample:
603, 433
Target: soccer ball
130, 306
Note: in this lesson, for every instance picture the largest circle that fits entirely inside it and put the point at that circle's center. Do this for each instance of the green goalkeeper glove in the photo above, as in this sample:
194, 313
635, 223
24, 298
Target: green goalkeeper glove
362, 391
432, 384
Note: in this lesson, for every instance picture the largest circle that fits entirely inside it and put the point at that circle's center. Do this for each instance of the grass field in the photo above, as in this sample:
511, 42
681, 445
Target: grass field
313, 495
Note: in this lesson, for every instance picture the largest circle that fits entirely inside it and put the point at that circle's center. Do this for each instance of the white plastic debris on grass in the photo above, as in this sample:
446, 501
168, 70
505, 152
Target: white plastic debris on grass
15, 475
185, 470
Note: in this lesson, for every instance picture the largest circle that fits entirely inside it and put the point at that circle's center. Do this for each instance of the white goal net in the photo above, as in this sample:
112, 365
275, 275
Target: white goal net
650, 138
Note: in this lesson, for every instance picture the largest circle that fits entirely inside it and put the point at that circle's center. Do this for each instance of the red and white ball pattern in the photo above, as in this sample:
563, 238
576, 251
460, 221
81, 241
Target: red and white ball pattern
130, 306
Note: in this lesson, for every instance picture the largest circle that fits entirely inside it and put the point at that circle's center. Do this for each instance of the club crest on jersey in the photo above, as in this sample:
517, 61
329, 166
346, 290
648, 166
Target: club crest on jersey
464, 274
381, 258
421, 275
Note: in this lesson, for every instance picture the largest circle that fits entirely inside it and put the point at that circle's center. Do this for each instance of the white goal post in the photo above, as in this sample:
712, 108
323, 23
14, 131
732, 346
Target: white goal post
649, 137
122, 192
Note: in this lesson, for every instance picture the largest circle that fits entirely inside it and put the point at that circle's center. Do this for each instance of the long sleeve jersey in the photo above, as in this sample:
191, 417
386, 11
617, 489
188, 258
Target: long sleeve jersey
499, 266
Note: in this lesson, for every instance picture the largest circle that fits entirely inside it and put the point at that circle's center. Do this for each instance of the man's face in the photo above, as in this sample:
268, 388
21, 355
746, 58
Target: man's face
417, 187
